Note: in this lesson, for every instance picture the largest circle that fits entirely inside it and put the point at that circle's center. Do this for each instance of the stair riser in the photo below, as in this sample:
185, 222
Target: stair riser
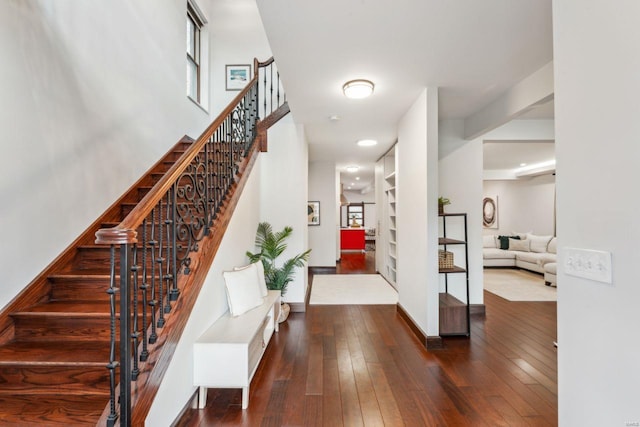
29, 379
99, 259
47, 328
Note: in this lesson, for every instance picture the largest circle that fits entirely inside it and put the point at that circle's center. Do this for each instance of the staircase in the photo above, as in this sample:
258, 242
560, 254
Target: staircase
59, 342
53, 369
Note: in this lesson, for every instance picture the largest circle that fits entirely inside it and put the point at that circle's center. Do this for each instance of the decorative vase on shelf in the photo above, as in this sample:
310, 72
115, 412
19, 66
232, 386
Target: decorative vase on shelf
440, 209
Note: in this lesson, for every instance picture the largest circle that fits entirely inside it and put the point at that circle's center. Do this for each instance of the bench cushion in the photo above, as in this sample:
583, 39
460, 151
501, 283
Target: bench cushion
243, 290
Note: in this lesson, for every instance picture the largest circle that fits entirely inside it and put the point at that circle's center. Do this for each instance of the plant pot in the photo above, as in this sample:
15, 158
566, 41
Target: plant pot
284, 312
440, 209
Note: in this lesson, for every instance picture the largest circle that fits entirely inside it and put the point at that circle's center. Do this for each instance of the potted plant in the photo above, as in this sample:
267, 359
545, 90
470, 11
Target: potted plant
354, 221
271, 245
442, 202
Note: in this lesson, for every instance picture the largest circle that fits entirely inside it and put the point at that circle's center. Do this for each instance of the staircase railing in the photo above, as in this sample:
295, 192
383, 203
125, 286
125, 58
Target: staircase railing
153, 246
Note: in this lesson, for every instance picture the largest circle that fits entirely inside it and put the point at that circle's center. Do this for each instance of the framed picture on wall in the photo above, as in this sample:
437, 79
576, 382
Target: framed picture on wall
490, 212
237, 76
313, 213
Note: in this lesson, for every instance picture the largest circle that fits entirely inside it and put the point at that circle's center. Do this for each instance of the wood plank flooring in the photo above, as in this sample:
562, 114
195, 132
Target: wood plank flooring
361, 365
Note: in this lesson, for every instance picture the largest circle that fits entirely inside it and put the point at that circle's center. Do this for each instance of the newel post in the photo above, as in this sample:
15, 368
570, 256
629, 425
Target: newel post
126, 239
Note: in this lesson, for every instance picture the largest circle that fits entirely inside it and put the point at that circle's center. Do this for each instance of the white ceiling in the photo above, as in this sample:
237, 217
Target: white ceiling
472, 50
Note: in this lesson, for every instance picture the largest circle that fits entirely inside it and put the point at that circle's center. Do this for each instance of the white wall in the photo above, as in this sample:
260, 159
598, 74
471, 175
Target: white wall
84, 112
525, 205
285, 193
460, 180
417, 215
597, 132
322, 238
237, 38
177, 386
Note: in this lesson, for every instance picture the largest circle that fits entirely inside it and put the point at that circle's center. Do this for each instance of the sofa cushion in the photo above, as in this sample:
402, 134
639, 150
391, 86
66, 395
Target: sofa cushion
504, 241
532, 257
547, 258
552, 247
551, 268
519, 245
538, 243
489, 241
494, 253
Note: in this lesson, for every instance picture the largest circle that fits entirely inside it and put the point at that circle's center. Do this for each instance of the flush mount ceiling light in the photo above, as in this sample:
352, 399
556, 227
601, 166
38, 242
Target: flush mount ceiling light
367, 142
358, 89
352, 169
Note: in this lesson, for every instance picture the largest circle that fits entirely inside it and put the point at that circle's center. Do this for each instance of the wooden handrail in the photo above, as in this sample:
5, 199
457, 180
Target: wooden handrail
125, 232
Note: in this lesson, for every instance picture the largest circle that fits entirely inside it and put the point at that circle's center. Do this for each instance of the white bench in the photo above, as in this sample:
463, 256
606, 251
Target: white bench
228, 353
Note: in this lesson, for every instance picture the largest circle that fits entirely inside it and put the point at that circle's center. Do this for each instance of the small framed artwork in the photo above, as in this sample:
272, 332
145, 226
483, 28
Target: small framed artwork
237, 76
313, 213
490, 212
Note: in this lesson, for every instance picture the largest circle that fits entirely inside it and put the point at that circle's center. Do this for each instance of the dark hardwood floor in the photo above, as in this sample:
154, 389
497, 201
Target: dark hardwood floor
361, 365
355, 262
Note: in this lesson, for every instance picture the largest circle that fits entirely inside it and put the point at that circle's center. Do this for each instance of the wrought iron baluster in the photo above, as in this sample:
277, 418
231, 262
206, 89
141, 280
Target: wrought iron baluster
175, 293
168, 277
278, 94
271, 88
144, 354
135, 333
153, 303
160, 260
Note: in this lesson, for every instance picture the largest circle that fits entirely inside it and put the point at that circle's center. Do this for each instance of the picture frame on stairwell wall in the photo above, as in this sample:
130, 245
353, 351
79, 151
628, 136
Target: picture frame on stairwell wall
237, 76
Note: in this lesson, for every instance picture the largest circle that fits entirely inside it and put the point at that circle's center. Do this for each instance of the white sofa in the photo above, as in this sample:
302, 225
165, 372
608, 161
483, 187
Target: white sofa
531, 252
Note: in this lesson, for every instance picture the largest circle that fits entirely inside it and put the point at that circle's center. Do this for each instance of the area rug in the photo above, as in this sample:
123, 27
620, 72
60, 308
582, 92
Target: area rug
348, 289
518, 285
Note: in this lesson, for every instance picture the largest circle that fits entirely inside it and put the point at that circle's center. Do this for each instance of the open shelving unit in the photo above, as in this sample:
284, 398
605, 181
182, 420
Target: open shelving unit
455, 317
392, 237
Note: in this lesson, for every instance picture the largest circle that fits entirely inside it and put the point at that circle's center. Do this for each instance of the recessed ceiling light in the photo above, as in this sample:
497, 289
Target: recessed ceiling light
367, 142
357, 178
358, 89
352, 168
523, 164
334, 118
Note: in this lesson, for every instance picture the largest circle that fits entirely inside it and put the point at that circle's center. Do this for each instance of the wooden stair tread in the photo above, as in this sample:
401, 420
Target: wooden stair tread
84, 275
52, 409
70, 353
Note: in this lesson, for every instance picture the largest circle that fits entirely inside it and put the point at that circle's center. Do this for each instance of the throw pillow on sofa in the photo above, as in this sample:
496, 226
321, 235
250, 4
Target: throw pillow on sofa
504, 241
489, 241
539, 243
519, 245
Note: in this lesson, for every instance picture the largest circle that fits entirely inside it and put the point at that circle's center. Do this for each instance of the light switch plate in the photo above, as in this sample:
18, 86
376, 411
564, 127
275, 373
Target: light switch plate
588, 264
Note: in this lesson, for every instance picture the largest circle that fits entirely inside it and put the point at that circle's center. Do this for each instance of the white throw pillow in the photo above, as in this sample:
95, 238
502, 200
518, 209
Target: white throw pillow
489, 241
523, 236
519, 245
539, 243
261, 280
552, 247
243, 290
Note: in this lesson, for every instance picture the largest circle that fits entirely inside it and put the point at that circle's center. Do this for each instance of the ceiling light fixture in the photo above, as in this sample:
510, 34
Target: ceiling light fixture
367, 142
357, 178
358, 89
352, 169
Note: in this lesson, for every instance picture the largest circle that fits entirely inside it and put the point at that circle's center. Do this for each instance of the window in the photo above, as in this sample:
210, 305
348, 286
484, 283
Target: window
355, 213
194, 28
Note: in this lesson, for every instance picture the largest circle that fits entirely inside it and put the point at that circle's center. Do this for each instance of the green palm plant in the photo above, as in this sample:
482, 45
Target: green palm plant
271, 245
